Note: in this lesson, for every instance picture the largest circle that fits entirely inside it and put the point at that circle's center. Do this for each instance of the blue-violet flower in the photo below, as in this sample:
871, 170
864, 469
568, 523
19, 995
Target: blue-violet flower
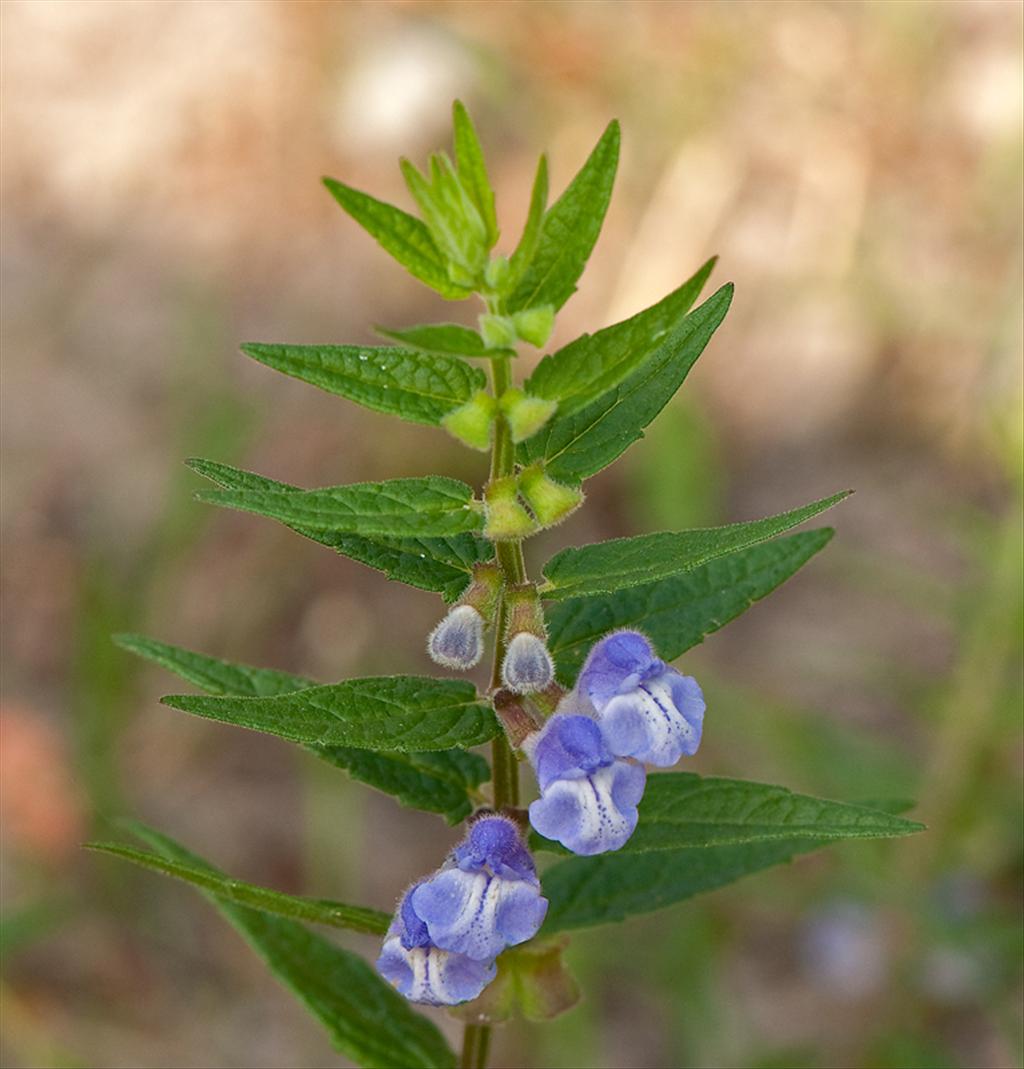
423, 972
487, 897
588, 797
646, 709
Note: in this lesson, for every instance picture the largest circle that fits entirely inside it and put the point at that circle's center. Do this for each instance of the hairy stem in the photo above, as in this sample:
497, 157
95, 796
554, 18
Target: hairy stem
504, 769
476, 1038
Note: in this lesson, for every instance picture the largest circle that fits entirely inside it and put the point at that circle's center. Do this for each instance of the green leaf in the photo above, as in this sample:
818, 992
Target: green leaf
681, 809
403, 235
401, 713
431, 507
593, 364
438, 782
569, 231
469, 158
451, 217
367, 1020
524, 251
211, 674
315, 910
698, 834
584, 892
896, 806
603, 567
677, 613
438, 564
448, 339
580, 444
400, 382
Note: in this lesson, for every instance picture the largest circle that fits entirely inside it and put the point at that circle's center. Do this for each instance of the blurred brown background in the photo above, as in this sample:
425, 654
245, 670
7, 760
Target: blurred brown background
856, 166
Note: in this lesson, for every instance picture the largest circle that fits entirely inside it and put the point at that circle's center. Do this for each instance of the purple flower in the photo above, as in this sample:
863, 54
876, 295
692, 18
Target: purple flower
646, 709
488, 896
423, 972
588, 798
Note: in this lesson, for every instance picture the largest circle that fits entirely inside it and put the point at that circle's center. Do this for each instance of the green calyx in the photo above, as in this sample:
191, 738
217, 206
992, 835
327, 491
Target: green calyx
534, 325
549, 501
506, 518
533, 982
524, 414
498, 332
472, 422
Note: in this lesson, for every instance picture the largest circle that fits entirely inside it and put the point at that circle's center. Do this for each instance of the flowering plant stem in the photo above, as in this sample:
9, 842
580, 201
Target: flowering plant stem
504, 766
505, 770
476, 1041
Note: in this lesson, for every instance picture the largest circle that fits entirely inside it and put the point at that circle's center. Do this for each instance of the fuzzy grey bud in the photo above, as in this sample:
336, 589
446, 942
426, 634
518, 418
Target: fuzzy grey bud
527, 666
458, 640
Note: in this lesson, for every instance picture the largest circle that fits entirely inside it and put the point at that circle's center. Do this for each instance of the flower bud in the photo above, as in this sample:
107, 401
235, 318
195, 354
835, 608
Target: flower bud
458, 640
507, 519
524, 414
550, 502
527, 666
471, 423
534, 325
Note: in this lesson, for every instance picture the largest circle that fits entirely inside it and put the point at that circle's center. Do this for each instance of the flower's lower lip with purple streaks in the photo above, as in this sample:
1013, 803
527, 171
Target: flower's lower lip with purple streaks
589, 797
647, 710
451, 926
431, 976
594, 814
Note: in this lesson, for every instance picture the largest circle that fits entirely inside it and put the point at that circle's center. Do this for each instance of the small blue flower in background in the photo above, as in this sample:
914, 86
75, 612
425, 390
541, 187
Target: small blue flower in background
646, 709
487, 898
423, 972
588, 797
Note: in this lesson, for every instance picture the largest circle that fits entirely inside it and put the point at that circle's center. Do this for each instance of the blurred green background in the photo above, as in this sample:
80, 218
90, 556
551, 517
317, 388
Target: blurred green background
857, 167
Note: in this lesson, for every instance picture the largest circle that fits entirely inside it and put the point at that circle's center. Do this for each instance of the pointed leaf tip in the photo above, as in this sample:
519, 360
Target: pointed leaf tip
569, 230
